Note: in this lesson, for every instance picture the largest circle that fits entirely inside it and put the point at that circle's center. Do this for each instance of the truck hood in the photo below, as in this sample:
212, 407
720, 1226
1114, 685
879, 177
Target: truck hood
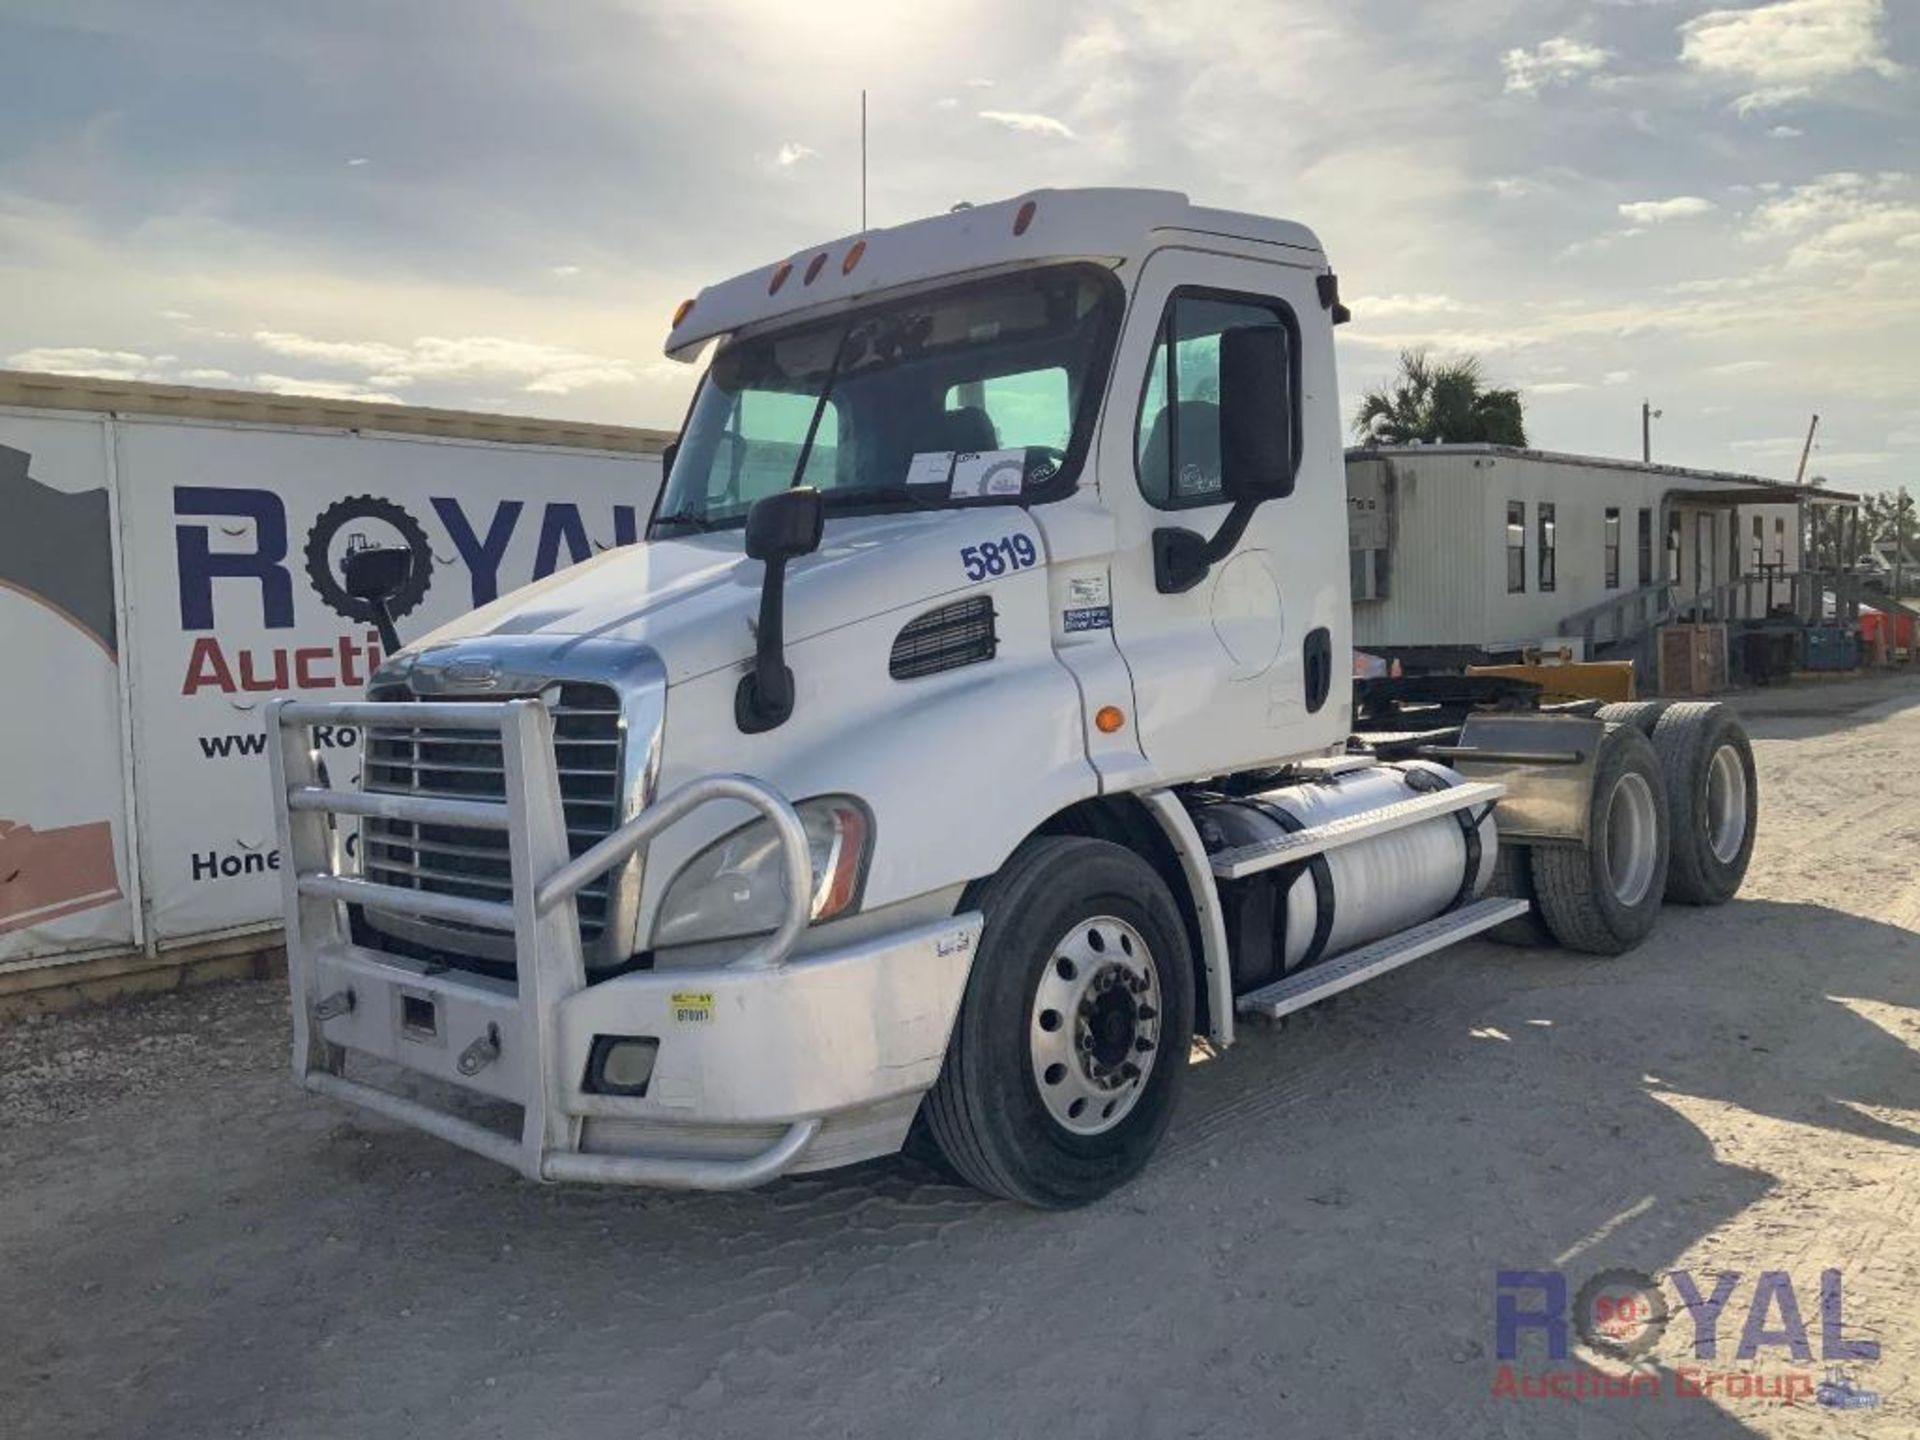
694, 601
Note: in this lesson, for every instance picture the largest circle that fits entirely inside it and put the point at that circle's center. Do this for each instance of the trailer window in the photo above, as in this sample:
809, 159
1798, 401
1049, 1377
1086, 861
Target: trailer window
1645, 546
1177, 435
1613, 547
1516, 547
1549, 539
1759, 542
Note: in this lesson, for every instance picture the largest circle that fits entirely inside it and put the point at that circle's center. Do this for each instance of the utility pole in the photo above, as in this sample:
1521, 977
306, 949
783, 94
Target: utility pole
1806, 450
1647, 416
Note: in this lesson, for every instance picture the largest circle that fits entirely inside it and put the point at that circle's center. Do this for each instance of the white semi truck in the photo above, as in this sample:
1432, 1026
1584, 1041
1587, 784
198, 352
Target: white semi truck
972, 731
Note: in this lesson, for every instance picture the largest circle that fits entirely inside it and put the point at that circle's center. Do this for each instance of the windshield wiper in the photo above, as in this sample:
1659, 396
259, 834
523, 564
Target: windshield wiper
820, 406
687, 518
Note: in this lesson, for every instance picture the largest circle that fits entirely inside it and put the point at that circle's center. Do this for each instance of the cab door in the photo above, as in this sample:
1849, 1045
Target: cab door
1249, 664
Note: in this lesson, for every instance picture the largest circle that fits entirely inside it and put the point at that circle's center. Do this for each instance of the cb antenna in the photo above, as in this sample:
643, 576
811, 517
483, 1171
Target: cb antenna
863, 162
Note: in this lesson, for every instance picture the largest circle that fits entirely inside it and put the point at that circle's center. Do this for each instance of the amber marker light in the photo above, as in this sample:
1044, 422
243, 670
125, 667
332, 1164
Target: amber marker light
853, 257
684, 309
1109, 718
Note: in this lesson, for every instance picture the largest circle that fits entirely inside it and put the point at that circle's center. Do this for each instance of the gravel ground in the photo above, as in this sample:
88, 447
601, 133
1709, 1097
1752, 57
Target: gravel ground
191, 1247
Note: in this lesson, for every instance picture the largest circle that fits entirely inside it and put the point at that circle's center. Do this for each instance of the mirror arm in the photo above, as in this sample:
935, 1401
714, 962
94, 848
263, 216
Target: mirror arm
764, 698
1182, 558
383, 620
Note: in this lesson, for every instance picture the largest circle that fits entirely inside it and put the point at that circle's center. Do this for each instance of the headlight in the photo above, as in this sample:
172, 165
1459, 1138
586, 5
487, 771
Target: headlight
737, 885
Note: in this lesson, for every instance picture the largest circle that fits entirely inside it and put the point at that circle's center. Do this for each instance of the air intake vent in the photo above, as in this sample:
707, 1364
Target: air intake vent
945, 639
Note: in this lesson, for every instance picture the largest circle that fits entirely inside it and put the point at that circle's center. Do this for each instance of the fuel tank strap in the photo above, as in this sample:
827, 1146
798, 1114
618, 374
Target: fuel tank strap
1314, 865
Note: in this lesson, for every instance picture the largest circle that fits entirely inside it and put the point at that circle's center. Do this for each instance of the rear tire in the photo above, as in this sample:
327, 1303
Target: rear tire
1604, 897
1642, 715
1513, 877
1713, 801
1060, 998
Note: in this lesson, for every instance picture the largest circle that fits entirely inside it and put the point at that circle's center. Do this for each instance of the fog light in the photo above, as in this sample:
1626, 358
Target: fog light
620, 1064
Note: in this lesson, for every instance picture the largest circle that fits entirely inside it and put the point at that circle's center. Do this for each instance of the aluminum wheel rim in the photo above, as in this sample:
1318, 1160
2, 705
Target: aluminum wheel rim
1726, 804
1632, 839
1094, 1034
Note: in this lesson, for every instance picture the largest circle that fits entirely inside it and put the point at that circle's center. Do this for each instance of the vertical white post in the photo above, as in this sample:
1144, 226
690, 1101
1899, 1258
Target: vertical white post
546, 947
311, 923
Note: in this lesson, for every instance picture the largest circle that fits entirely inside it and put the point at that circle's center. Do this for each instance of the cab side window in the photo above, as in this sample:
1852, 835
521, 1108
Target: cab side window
1177, 437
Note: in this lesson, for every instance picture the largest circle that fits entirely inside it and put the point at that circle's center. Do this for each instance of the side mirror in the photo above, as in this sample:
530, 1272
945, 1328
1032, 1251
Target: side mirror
785, 525
667, 457
374, 574
780, 527
1256, 430
1256, 454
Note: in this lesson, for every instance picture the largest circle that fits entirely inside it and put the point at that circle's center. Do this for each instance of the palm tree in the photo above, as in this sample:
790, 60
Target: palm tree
1440, 402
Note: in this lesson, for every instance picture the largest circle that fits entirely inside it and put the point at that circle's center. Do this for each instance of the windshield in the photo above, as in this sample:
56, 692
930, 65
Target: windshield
983, 393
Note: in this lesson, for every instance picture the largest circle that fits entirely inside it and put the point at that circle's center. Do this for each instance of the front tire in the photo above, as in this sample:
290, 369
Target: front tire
1071, 1044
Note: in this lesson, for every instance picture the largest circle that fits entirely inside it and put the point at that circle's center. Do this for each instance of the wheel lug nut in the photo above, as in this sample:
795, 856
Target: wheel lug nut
1147, 1012
1143, 1045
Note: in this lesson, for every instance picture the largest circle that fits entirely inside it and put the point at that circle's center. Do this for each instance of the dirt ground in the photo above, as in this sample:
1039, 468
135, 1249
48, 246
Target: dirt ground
189, 1246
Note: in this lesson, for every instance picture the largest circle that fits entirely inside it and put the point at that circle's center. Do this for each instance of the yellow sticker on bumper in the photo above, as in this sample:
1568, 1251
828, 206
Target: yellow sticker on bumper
691, 1007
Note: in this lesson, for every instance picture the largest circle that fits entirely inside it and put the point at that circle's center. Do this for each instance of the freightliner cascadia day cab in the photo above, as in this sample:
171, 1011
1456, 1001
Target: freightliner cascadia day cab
972, 731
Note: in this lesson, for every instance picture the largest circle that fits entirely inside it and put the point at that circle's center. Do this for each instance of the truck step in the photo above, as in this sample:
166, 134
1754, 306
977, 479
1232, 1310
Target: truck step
1317, 982
1244, 860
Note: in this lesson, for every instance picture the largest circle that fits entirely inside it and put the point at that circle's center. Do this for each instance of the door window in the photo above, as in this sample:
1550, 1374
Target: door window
1177, 437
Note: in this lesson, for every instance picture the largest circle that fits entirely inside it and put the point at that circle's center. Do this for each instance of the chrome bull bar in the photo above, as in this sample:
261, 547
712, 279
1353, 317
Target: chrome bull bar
541, 917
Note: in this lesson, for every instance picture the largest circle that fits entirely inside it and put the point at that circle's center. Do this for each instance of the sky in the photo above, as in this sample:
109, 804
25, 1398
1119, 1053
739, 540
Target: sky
496, 204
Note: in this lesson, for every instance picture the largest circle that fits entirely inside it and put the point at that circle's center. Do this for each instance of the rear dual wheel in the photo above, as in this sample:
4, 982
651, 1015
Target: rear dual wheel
1071, 1043
1604, 897
1713, 800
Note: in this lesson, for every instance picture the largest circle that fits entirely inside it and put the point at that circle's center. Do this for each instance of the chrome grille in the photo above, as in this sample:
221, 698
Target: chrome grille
459, 764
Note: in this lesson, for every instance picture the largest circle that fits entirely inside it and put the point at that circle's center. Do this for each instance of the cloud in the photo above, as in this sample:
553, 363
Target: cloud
1616, 377
1559, 61
1556, 387
358, 160
1029, 123
1789, 50
1740, 367
1370, 307
83, 360
541, 369
1846, 218
208, 375
792, 153
563, 272
322, 389
1784, 132
1657, 212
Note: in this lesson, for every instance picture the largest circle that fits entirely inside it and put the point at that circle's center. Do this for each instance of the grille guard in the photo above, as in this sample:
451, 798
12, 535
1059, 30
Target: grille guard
541, 919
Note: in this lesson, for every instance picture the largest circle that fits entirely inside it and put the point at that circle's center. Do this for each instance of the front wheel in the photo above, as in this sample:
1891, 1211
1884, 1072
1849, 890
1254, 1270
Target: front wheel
1071, 1044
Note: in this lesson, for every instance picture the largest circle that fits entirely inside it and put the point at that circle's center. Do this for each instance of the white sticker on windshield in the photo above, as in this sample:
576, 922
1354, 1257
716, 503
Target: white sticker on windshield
979, 473
929, 467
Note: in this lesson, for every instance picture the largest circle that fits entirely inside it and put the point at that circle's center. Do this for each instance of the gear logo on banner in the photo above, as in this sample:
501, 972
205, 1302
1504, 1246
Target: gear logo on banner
356, 523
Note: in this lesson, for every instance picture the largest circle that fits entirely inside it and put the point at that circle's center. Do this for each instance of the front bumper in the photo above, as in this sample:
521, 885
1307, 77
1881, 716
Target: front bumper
815, 1063
762, 1066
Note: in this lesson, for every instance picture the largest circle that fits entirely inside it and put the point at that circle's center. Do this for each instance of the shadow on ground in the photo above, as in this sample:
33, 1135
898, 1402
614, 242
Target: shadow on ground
1314, 1251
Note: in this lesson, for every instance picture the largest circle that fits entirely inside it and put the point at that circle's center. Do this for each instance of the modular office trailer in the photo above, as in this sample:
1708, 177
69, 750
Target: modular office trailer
1465, 552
